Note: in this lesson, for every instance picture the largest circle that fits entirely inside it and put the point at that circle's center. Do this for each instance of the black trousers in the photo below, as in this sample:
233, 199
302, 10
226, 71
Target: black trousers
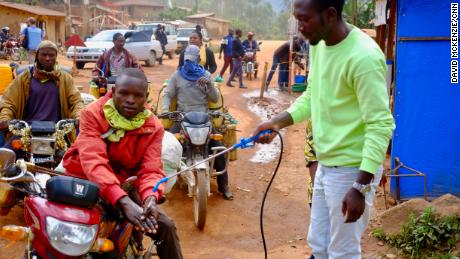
166, 239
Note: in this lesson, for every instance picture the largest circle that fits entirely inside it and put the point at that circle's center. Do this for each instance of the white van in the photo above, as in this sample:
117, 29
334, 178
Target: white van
170, 31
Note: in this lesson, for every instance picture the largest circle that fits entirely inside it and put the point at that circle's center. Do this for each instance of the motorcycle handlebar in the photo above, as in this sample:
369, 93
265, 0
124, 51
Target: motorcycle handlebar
179, 116
60, 124
17, 123
21, 164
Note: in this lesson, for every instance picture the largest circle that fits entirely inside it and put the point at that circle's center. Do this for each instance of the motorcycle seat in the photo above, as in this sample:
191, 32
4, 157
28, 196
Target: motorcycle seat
196, 118
43, 127
73, 191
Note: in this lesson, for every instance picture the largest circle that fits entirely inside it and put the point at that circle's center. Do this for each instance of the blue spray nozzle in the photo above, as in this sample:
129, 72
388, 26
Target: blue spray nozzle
249, 142
163, 180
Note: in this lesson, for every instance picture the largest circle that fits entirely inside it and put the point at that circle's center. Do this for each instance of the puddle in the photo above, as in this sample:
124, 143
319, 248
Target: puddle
265, 109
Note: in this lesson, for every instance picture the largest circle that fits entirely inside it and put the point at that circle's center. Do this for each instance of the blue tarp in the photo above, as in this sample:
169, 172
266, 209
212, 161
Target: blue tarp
426, 105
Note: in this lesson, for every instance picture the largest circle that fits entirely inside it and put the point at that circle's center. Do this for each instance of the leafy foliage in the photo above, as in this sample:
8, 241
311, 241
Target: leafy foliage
174, 14
425, 235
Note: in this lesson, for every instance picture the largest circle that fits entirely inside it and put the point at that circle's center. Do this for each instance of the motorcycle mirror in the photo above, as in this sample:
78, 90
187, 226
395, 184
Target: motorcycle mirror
7, 158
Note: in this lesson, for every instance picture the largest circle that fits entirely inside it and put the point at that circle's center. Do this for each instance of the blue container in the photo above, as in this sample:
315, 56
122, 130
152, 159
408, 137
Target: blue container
300, 79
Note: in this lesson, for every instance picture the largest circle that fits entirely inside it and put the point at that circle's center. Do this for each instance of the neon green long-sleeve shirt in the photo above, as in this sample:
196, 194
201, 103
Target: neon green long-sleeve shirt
347, 101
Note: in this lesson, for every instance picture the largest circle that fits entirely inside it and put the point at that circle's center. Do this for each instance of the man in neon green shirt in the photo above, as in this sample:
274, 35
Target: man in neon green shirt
352, 125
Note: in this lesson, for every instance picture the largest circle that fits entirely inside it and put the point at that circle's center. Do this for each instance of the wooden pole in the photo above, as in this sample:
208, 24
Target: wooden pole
391, 30
291, 48
263, 86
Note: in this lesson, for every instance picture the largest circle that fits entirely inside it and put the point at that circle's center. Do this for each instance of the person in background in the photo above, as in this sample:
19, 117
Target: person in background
347, 75
237, 56
250, 43
4, 36
198, 28
281, 61
226, 47
30, 38
160, 36
116, 59
207, 59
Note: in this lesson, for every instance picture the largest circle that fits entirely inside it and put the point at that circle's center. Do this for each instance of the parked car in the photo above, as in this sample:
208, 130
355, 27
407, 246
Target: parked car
139, 43
171, 33
183, 35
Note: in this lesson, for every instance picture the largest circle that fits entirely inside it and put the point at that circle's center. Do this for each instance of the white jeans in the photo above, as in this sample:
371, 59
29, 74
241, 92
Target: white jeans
328, 236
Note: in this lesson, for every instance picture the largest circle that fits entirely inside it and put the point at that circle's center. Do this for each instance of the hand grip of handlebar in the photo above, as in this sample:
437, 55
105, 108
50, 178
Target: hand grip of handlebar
249, 142
163, 180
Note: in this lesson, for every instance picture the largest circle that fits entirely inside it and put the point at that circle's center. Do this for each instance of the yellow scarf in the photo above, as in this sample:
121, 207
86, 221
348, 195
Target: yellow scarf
203, 55
43, 76
120, 124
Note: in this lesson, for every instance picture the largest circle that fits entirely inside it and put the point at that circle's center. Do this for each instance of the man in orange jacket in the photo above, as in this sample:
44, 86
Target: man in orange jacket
119, 138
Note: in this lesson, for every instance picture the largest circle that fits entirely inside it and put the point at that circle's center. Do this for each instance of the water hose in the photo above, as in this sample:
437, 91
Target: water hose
244, 143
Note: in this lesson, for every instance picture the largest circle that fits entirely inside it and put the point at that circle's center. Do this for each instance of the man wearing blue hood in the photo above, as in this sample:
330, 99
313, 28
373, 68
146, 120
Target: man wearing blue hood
194, 89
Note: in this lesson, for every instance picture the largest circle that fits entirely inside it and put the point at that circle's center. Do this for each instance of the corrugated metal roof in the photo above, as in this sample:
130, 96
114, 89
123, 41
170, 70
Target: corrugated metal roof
218, 19
138, 2
200, 15
32, 9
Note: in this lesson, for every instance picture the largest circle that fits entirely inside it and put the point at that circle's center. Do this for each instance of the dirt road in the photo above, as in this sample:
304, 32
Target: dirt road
232, 227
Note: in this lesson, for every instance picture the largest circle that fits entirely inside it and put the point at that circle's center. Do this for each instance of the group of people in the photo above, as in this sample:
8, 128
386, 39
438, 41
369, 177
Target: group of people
346, 101
234, 50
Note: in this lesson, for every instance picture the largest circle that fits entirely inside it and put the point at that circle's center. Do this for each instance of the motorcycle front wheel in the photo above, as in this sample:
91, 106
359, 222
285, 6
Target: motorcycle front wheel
200, 198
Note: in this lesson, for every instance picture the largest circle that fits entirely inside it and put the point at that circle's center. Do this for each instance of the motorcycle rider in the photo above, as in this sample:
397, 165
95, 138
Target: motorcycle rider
193, 87
4, 36
41, 93
116, 59
250, 44
119, 138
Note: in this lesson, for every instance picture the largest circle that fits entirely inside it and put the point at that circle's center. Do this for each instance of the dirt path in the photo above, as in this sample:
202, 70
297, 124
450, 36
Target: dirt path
232, 227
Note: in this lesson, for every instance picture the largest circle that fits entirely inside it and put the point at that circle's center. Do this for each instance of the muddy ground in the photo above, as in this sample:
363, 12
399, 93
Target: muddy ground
232, 227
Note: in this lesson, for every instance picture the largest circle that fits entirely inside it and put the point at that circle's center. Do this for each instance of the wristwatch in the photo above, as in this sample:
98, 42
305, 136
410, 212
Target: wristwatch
362, 188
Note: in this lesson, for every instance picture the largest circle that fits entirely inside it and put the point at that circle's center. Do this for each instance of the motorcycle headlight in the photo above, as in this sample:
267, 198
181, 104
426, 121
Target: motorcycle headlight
71, 239
198, 136
42, 146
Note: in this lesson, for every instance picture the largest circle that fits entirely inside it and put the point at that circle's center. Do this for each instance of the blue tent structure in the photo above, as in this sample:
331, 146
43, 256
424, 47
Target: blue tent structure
426, 104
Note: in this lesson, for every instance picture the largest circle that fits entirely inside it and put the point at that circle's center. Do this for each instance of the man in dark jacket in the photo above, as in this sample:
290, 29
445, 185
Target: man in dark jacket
237, 56
160, 36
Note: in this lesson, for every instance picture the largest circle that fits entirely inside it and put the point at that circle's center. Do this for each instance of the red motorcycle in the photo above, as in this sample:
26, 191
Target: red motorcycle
10, 50
65, 218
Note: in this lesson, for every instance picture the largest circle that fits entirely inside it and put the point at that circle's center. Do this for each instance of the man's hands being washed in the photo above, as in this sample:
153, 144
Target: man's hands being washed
144, 218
